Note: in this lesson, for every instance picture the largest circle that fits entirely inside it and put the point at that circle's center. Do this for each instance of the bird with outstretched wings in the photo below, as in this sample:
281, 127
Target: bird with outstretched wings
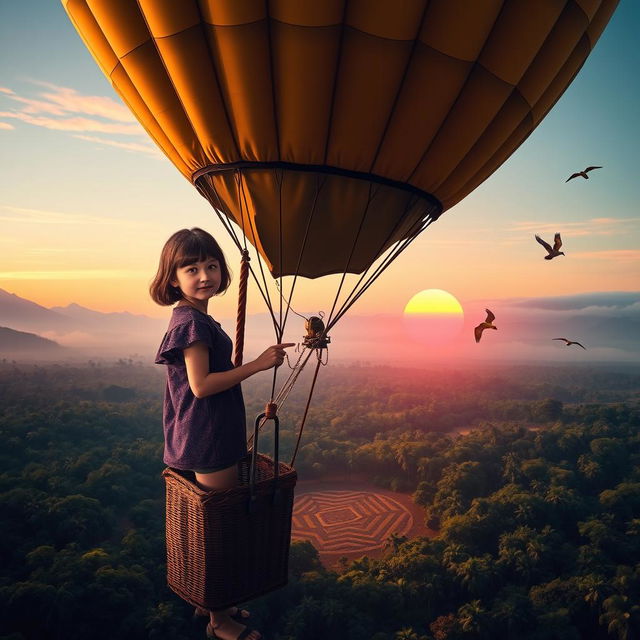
552, 252
487, 324
582, 174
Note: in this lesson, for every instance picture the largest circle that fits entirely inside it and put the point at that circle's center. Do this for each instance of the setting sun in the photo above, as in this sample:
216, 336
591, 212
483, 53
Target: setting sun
433, 317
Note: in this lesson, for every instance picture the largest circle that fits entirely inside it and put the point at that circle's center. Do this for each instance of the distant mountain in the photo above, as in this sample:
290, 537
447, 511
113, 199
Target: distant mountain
20, 344
88, 319
24, 315
74, 325
608, 323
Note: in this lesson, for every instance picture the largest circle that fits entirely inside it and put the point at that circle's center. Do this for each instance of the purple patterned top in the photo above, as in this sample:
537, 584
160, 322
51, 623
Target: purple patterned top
199, 433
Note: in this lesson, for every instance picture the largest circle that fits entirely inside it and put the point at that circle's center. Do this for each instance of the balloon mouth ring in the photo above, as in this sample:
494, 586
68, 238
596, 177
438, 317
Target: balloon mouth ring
436, 205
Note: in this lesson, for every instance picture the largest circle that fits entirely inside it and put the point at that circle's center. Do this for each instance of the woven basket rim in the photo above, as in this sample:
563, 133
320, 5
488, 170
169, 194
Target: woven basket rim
286, 477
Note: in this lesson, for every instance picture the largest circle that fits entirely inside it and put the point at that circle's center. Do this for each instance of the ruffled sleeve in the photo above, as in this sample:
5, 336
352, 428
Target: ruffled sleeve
180, 337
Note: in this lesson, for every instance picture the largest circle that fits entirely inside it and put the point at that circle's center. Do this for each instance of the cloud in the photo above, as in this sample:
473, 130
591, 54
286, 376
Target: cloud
55, 250
614, 255
65, 109
61, 100
70, 100
39, 216
128, 146
592, 227
80, 274
583, 301
73, 124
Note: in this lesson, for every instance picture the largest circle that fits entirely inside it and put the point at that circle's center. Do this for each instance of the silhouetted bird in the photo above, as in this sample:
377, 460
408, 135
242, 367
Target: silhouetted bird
487, 324
554, 251
570, 342
582, 173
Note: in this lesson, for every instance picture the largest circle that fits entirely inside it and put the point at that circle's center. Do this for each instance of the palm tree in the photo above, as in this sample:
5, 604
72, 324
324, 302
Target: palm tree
511, 471
594, 588
404, 458
515, 609
454, 554
394, 541
619, 616
523, 512
472, 618
476, 574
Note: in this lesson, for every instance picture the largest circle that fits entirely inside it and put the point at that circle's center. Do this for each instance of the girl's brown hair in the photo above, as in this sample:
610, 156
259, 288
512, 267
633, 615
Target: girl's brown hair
182, 248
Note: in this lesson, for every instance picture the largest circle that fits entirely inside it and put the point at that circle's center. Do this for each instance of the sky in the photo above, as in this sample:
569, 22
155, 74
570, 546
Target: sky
86, 200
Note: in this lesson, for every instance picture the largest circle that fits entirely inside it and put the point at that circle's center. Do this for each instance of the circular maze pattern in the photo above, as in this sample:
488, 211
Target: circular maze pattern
348, 521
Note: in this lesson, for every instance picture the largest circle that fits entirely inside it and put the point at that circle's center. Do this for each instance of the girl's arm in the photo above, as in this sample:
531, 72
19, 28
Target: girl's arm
203, 383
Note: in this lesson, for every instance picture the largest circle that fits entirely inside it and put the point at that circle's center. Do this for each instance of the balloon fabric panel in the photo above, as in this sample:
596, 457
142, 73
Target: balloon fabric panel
241, 56
304, 61
522, 44
370, 74
197, 86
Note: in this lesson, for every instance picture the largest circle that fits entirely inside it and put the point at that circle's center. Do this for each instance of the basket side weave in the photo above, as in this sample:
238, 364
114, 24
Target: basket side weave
220, 550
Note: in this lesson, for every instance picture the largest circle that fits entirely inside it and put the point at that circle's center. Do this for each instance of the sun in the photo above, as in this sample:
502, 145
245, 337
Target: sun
433, 317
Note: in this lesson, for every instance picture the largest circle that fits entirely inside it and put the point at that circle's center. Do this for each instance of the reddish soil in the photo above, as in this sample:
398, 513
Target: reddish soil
349, 517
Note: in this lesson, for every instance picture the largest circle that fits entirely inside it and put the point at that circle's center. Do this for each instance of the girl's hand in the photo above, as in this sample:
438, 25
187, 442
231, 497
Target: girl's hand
272, 357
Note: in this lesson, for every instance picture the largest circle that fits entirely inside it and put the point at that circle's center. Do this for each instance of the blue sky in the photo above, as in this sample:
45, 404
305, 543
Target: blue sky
84, 212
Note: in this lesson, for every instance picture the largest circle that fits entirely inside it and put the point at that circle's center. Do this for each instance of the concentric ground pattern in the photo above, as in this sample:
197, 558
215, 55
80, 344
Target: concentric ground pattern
348, 521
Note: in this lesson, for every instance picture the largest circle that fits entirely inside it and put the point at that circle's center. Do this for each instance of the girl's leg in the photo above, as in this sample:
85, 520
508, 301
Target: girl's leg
226, 628
238, 614
218, 480
221, 623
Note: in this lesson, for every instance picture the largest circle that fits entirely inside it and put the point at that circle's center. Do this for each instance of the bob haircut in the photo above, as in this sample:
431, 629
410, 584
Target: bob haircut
185, 247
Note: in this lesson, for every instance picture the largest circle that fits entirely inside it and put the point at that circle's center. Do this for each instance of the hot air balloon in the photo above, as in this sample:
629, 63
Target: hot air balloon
328, 134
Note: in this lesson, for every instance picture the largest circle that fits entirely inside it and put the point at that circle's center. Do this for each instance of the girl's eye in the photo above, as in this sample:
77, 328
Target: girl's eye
213, 266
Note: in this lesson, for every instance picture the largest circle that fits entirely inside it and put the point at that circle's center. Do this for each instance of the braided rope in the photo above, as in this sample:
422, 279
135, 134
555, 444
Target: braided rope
242, 308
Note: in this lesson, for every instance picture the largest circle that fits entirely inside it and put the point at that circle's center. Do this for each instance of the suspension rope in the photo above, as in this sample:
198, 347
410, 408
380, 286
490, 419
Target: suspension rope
306, 411
304, 243
276, 324
229, 228
242, 308
365, 280
255, 243
237, 176
203, 186
288, 385
331, 322
280, 248
379, 270
353, 248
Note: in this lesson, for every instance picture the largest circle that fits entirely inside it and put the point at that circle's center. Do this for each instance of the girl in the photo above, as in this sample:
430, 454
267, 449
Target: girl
203, 414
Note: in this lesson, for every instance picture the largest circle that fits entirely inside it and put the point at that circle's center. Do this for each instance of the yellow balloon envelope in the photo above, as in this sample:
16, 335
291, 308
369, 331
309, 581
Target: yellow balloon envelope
332, 130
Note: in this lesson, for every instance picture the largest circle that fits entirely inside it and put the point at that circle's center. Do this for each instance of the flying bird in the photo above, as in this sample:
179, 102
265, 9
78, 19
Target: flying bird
554, 251
487, 324
570, 342
582, 173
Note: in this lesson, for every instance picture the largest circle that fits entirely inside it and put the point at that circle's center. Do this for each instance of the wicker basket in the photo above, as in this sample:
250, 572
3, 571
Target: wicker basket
227, 547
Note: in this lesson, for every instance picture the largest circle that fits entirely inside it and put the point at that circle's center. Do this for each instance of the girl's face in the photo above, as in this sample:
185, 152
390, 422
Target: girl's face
198, 281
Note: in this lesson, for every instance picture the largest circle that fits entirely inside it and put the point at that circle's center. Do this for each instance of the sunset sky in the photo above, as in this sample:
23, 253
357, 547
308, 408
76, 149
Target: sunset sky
87, 200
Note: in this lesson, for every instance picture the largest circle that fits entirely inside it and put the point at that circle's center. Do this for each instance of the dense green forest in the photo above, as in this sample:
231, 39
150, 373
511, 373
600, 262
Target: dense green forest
537, 507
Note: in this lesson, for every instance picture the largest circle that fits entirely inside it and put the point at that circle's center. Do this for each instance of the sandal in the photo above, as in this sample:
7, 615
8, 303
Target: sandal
211, 635
240, 615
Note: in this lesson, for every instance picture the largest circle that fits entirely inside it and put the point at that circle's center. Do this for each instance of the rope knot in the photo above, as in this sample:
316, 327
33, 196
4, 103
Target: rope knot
270, 410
